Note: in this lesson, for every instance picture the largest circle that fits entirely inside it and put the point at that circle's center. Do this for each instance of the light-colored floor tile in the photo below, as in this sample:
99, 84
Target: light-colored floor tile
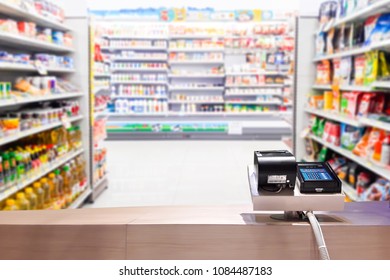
154, 173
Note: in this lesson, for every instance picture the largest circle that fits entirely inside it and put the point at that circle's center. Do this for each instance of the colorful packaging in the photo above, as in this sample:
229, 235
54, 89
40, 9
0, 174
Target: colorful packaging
323, 155
363, 181
336, 71
367, 104
332, 133
345, 70
337, 162
350, 102
369, 26
330, 41
336, 101
328, 100
366, 146
353, 171
381, 30
371, 67
316, 101
323, 73
384, 71
350, 136
360, 63
342, 172
378, 191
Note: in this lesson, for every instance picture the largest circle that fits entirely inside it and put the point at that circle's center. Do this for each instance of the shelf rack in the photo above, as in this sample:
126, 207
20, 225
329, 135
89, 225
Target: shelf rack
5, 66
21, 101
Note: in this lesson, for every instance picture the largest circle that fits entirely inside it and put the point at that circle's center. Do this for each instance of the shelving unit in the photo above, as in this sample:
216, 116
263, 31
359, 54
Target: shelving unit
74, 75
80, 199
306, 68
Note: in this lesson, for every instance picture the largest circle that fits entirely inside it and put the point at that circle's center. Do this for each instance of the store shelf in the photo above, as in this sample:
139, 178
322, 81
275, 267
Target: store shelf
100, 114
195, 102
139, 97
370, 10
138, 59
203, 114
48, 168
350, 191
18, 41
197, 50
138, 48
80, 199
139, 70
375, 123
21, 101
14, 11
197, 62
196, 76
99, 187
336, 117
345, 88
196, 89
23, 134
102, 89
6, 66
381, 171
196, 36
140, 83
381, 85
263, 73
252, 94
245, 102
256, 86
102, 75
99, 182
136, 37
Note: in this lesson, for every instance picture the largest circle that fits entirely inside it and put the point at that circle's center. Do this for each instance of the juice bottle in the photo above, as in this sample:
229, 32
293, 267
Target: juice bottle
22, 202
32, 198
20, 168
67, 176
40, 195
13, 167
6, 168
10, 205
60, 182
53, 182
46, 189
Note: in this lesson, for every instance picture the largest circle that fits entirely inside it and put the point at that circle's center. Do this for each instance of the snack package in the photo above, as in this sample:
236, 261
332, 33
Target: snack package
350, 136
350, 102
342, 172
323, 155
371, 67
327, 13
336, 101
378, 191
323, 73
353, 171
345, 70
328, 100
369, 26
366, 146
367, 104
332, 133
363, 181
317, 126
336, 163
336, 71
381, 30
384, 65
358, 34
346, 36
359, 67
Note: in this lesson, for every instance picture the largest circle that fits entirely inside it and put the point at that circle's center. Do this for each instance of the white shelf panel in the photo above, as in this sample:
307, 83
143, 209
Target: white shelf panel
101, 89
6, 66
18, 41
14, 11
381, 85
350, 191
140, 82
80, 199
336, 117
99, 182
196, 50
355, 51
100, 114
208, 114
101, 75
257, 86
195, 102
194, 76
33, 131
21, 101
191, 62
139, 97
370, 10
136, 37
138, 70
381, 171
348, 88
139, 59
196, 89
48, 168
138, 48
252, 94
195, 36
254, 102
375, 123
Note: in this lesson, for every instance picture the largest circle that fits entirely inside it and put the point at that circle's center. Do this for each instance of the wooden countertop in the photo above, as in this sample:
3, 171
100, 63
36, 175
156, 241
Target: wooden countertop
361, 231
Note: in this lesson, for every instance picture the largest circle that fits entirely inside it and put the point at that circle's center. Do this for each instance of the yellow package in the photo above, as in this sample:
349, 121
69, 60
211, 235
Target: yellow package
328, 100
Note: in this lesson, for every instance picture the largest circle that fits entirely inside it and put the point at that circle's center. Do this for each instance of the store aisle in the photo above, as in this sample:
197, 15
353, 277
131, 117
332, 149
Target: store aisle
153, 173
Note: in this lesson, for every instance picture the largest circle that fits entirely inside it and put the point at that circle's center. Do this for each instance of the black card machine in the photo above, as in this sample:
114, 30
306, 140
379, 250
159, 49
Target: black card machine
275, 170
317, 177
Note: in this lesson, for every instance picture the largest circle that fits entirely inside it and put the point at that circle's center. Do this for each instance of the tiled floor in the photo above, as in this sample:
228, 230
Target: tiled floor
154, 173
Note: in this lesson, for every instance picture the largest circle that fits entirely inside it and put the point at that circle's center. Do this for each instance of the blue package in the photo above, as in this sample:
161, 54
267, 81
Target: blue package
381, 30
350, 136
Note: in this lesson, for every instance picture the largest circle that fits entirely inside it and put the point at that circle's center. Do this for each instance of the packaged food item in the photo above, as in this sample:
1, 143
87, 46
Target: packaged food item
384, 64
316, 101
353, 171
350, 102
323, 155
381, 30
330, 41
350, 136
371, 67
323, 73
346, 36
321, 43
318, 126
22, 202
332, 133
385, 153
336, 100
336, 71
367, 104
10, 205
336, 163
328, 100
345, 70
360, 63
328, 10
371, 138
358, 34
342, 172
363, 181
378, 191
369, 26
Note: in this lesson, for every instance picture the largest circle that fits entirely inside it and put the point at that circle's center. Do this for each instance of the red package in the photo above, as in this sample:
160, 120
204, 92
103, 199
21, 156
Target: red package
379, 104
363, 182
367, 104
352, 100
332, 133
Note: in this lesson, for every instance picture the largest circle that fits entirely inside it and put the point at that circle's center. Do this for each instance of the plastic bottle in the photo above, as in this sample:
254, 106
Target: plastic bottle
6, 168
53, 183
40, 195
13, 167
10, 205
385, 153
20, 168
32, 198
2, 183
60, 182
22, 202
67, 176
46, 189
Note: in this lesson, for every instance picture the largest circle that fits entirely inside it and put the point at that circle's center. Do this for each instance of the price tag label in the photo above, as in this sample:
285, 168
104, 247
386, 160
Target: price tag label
235, 128
66, 122
42, 70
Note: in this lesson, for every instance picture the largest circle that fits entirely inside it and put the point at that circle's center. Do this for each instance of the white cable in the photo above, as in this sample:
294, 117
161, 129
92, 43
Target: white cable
324, 255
